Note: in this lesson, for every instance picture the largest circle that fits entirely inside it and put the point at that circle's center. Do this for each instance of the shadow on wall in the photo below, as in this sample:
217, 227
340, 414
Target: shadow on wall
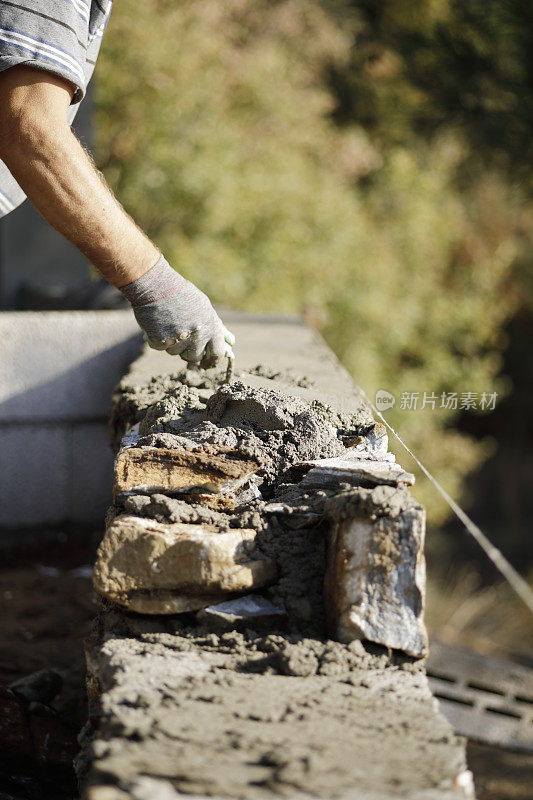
57, 372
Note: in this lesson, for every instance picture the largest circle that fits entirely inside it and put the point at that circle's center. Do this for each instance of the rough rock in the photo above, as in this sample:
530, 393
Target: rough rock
252, 611
374, 585
198, 473
153, 568
352, 469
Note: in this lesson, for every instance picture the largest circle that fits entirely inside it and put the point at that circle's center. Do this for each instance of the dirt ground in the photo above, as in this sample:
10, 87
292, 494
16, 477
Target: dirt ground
48, 609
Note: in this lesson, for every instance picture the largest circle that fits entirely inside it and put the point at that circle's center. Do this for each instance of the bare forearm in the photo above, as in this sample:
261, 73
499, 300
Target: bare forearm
60, 179
63, 184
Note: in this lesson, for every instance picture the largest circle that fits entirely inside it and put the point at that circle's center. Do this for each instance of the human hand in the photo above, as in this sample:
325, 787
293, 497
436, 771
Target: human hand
177, 317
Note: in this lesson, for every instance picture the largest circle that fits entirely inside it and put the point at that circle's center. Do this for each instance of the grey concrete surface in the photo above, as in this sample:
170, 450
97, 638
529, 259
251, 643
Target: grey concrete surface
34, 474
54, 473
57, 371
62, 365
162, 698
91, 470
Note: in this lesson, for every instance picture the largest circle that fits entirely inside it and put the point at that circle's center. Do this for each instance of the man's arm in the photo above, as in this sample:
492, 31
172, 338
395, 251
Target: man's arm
47, 160
57, 175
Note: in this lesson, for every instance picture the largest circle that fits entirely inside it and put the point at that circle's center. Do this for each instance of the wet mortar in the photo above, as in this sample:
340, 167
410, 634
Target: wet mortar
275, 430
276, 713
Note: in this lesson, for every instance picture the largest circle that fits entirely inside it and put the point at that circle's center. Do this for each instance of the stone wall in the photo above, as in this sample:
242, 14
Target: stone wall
261, 585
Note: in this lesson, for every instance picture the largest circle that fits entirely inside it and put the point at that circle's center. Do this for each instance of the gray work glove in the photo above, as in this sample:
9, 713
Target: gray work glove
177, 317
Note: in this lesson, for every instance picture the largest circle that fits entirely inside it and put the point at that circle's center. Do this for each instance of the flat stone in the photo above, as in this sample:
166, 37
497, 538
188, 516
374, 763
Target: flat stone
251, 611
353, 469
153, 568
374, 586
198, 473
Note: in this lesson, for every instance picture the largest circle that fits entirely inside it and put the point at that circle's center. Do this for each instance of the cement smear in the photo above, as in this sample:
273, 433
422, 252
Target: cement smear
248, 716
260, 423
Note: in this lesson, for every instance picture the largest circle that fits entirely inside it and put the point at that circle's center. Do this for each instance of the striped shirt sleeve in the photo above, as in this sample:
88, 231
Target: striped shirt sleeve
59, 36
53, 35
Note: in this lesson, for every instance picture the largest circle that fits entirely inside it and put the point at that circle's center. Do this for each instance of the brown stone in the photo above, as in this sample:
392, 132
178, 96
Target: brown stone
375, 580
200, 473
155, 568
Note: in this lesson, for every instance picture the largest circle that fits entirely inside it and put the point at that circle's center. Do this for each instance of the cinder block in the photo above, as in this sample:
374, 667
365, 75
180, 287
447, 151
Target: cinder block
34, 475
91, 473
62, 365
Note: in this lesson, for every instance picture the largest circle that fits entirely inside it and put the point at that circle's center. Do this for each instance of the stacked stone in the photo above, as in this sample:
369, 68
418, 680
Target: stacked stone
253, 526
194, 463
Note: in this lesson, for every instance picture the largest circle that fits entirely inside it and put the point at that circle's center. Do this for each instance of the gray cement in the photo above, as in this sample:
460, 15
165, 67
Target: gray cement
253, 716
272, 348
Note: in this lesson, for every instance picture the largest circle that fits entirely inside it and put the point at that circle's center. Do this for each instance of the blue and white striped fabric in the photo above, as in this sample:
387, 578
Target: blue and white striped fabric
58, 36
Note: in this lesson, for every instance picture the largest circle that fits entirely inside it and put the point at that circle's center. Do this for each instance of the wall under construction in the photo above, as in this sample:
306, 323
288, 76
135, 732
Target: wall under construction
261, 585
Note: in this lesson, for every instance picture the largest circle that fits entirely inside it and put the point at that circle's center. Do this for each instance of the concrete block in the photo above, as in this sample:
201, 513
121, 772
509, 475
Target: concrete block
34, 475
91, 473
62, 365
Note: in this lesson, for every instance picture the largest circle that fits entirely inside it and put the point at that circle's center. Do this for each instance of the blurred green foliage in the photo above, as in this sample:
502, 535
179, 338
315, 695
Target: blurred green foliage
332, 158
